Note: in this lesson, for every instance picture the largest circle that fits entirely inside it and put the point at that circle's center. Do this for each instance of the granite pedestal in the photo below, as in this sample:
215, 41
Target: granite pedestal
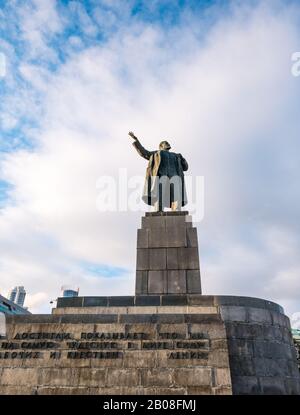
167, 255
167, 339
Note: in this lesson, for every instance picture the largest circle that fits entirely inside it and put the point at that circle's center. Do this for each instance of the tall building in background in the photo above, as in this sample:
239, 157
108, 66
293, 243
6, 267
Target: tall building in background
12, 294
17, 295
10, 307
68, 291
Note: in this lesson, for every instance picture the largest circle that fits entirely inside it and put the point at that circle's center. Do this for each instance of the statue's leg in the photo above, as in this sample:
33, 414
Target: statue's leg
176, 201
154, 192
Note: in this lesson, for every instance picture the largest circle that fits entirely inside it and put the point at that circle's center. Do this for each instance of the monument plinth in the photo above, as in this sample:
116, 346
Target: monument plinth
167, 339
167, 255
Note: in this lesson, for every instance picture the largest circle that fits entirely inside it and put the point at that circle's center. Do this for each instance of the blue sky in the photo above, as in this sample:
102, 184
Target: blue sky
213, 76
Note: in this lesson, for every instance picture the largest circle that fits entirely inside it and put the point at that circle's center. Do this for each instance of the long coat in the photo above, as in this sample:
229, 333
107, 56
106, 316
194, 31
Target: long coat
150, 193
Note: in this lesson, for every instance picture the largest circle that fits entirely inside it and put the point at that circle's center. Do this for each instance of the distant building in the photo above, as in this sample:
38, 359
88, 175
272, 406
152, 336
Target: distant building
17, 295
296, 338
9, 307
69, 291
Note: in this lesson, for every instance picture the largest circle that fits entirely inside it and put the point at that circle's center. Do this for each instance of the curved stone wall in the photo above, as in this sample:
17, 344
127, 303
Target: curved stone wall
261, 352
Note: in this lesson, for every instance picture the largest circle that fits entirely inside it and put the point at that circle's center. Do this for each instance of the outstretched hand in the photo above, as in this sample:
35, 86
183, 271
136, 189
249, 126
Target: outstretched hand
132, 135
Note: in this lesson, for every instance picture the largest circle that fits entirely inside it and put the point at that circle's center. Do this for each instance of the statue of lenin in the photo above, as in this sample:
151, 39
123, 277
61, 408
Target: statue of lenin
164, 183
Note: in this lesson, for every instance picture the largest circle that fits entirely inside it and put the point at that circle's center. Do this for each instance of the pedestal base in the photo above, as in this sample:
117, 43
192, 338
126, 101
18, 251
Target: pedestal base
167, 255
164, 344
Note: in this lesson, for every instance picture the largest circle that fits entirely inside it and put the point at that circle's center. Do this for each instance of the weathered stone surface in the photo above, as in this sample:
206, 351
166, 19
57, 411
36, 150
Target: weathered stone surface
193, 284
120, 301
272, 350
167, 213
158, 238
192, 238
230, 300
219, 358
200, 390
222, 390
138, 318
167, 237
291, 387
239, 347
170, 318
172, 344
165, 391
198, 299
143, 238
242, 366
12, 376
245, 385
272, 386
79, 376
140, 359
147, 300
193, 376
175, 221
219, 344
153, 222
157, 282
157, 377
94, 301
173, 300
172, 258
167, 242
278, 319
176, 237
234, 313
259, 315
202, 318
141, 282
142, 259
70, 302
222, 377
117, 377
64, 390
182, 258
176, 281
18, 390
244, 331
95, 318
157, 259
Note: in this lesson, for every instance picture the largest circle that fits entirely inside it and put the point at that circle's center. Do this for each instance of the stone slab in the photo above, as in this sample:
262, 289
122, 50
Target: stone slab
157, 259
167, 241
246, 346
182, 258
176, 281
141, 282
157, 282
193, 282
150, 353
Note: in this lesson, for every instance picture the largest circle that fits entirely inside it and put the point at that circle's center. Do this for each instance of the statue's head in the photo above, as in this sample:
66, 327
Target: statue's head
164, 145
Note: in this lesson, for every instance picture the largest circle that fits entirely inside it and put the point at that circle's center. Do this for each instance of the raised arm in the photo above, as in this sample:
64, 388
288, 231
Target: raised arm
139, 148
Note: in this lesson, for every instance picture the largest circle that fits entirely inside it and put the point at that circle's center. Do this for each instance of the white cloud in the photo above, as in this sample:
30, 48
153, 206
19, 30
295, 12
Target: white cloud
226, 101
38, 22
34, 301
295, 320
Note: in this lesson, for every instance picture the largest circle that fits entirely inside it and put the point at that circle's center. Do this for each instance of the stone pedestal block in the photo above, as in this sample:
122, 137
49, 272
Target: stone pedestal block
167, 255
152, 345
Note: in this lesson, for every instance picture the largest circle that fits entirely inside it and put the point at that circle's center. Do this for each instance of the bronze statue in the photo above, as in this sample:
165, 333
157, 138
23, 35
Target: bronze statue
164, 182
